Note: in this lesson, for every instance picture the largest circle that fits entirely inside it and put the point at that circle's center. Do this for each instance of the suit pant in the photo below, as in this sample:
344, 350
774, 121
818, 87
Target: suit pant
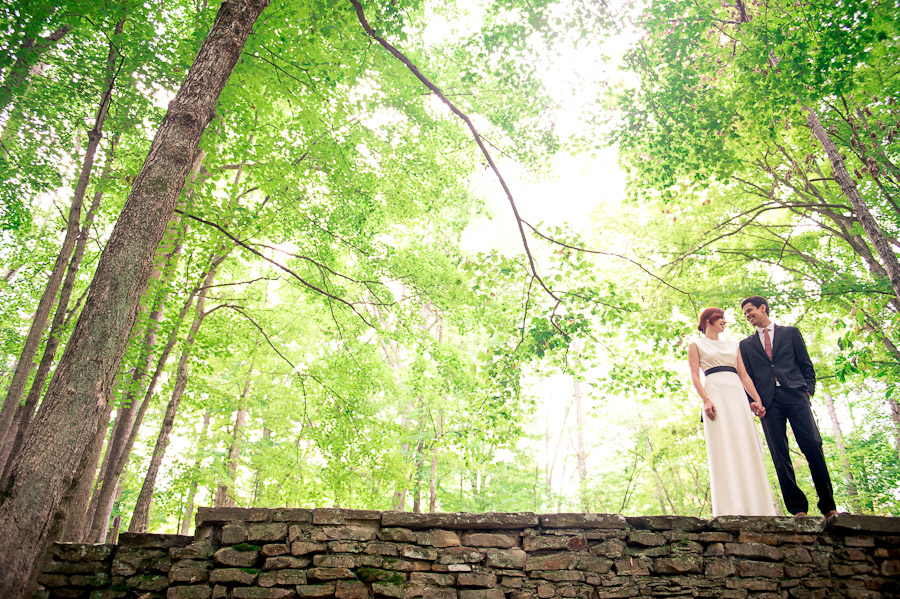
793, 405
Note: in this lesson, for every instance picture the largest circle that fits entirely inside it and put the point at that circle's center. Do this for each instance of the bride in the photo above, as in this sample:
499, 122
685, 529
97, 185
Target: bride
737, 477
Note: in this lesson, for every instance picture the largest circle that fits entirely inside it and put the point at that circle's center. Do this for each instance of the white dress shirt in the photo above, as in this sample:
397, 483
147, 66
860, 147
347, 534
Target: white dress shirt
762, 340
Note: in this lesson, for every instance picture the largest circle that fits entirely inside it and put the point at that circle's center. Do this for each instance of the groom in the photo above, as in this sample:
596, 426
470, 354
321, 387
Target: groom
776, 359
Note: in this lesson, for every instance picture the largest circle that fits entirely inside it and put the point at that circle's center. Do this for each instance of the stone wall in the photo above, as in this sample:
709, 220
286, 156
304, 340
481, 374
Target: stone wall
359, 554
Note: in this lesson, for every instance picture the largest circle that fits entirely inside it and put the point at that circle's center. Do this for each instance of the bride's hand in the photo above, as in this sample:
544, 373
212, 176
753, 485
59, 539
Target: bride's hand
758, 409
709, 409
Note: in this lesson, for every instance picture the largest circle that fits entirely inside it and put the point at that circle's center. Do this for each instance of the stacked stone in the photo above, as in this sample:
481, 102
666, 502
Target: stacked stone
359, 554
138, 566
867, 557
75, 570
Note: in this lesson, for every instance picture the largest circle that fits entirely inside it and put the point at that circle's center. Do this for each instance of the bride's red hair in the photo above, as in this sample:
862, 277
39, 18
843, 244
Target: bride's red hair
708, 316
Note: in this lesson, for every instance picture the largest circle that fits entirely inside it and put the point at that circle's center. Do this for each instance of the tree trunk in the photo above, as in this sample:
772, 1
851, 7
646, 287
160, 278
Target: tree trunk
417, 476
842, 449
581, 453
75, 520
130, 415
28, 55
45, 304
399, 502
101, 502
141, 517
432, 480
895, 415
254, 497
223, 498
659, 488
863, 215
77, 398
192, 491
60, 528
400, 494
20, 424
116, 466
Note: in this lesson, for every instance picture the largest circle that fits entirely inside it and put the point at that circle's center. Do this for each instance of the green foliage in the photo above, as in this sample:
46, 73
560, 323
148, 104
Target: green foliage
379, 364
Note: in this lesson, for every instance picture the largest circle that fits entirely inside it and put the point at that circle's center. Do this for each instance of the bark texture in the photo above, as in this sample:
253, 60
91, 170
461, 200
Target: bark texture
98, 512
78, 395
131, 413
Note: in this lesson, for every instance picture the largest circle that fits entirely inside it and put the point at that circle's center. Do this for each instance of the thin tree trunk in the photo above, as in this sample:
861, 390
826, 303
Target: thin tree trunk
842, 449
895, 416
77, 398
114, 529
399, 501
141, 517
254, 497
432, 480
581, 452
863, 215
56, 326
400, 494
28, 55
192, 491
659, 487
45, 304
417, 476
223, 497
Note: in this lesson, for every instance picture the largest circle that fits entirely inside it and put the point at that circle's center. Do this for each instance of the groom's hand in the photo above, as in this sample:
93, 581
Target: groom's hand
758, 409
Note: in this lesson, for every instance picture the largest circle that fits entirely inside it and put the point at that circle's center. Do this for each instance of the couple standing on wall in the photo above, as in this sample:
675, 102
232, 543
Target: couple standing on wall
773, 368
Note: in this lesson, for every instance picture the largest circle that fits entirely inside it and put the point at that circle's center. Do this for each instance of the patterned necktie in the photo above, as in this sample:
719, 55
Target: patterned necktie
767, 342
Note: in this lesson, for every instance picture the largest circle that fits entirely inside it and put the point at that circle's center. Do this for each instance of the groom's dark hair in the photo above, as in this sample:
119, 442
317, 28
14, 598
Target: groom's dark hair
758, 301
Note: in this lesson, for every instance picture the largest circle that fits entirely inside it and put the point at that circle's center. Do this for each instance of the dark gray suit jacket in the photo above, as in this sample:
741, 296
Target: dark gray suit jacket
790, 363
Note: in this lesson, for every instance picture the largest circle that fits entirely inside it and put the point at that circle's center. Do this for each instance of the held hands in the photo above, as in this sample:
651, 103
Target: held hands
709, 409
758, 410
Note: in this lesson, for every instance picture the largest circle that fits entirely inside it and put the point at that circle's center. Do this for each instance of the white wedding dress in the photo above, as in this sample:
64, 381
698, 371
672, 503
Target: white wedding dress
737, 477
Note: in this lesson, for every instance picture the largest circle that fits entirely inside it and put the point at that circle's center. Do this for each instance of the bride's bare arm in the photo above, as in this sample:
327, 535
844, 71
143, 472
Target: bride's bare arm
694, 362
749, 387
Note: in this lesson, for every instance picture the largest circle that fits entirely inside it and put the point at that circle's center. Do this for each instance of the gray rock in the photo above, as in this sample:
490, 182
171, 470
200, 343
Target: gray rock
189, 592
240, 556
245, 576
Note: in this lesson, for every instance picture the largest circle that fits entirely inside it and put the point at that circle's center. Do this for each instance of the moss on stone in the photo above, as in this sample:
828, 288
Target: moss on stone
368, 574
246, 547
253, 571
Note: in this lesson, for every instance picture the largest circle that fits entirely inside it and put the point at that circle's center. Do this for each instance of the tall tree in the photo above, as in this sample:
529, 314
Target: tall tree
79, 391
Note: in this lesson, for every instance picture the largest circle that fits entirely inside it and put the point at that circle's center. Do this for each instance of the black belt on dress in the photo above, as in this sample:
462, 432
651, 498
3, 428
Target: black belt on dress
720, 369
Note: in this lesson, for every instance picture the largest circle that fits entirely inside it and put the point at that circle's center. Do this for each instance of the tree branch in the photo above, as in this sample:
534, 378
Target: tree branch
276, 264
478, 139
